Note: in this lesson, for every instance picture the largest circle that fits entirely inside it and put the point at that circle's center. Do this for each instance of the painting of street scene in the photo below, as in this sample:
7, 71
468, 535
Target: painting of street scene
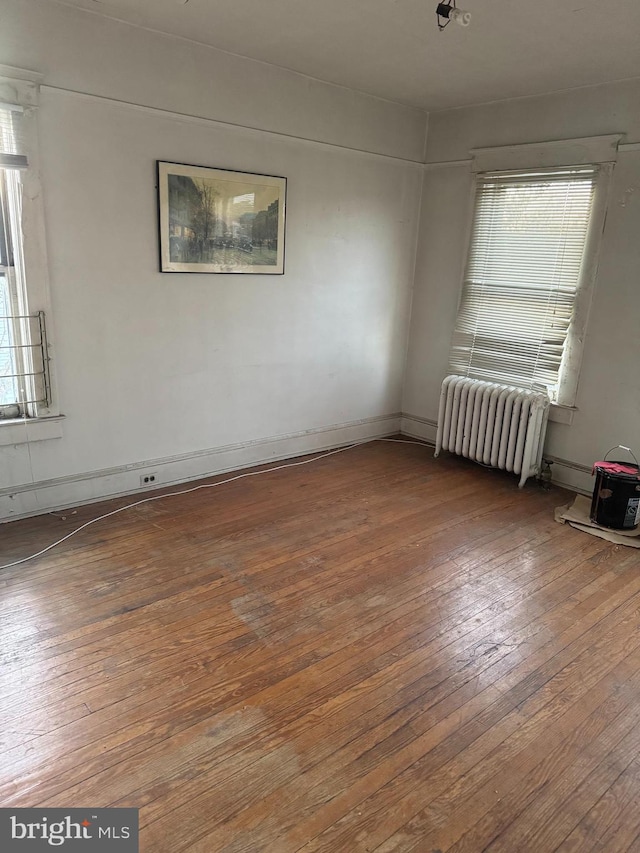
219, 221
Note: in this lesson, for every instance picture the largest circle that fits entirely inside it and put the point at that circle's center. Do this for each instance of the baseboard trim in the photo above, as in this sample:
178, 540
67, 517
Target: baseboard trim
570, 475
60, 493
63, 492
418, 427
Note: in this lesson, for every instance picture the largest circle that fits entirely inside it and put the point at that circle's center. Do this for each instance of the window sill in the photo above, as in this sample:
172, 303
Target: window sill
24, 431
561, 414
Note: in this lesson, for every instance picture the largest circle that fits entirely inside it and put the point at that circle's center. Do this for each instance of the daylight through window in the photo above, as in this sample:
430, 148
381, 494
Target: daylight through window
24, 384
523, 275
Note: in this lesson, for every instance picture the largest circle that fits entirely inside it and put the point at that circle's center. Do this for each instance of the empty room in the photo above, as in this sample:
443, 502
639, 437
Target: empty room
320, 426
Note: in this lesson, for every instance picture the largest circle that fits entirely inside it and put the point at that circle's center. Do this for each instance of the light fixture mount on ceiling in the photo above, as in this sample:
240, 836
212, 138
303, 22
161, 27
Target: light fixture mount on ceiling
448, 11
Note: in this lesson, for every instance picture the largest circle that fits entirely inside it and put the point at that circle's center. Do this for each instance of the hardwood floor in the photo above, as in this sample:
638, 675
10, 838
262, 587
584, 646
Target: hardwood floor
377, 651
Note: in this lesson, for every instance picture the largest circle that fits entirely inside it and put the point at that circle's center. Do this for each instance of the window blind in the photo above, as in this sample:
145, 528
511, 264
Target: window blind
12, 147
523, 271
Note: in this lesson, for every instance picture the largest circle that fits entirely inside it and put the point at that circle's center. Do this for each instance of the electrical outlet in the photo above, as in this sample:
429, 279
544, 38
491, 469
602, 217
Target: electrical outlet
147, 479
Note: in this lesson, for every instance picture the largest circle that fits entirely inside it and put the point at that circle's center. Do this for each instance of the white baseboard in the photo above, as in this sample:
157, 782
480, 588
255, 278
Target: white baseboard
571, 475
63, 492
417, 427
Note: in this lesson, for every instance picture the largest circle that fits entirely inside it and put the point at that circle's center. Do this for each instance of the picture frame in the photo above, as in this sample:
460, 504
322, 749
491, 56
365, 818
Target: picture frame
220, 220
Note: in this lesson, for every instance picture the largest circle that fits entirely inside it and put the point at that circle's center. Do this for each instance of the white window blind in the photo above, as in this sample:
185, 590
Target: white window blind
523, 272
12, 147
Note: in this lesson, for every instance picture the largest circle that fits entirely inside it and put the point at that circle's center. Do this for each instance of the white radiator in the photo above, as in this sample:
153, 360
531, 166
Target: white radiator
496, 425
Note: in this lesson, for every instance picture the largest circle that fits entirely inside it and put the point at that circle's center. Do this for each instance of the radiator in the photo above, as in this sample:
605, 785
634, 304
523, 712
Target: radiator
496, 425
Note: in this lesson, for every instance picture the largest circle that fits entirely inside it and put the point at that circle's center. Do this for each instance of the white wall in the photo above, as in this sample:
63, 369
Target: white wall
608, 403
185, 374
86, 52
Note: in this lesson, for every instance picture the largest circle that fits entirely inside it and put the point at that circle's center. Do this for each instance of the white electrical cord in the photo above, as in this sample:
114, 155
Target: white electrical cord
195, 489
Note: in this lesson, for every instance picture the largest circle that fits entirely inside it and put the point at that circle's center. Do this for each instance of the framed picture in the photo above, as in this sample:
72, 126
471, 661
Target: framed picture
219, 221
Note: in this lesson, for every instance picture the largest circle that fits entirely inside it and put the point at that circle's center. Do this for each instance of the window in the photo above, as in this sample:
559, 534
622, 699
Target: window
24, 375
529, 256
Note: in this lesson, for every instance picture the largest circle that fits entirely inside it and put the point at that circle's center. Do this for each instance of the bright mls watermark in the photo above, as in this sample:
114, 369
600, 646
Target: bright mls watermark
79, 830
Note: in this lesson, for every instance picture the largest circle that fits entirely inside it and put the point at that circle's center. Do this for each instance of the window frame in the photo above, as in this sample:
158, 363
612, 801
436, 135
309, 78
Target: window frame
22, 88
569, 373
593, 151
8, 272
20, 328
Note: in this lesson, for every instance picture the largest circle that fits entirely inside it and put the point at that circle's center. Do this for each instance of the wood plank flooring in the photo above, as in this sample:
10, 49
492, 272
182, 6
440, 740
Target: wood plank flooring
375, 652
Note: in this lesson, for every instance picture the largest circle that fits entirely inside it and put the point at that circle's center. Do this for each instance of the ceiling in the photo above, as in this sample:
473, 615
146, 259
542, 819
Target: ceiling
393, 49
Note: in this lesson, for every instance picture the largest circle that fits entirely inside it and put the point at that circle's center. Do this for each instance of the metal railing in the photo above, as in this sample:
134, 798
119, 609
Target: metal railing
29, 361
